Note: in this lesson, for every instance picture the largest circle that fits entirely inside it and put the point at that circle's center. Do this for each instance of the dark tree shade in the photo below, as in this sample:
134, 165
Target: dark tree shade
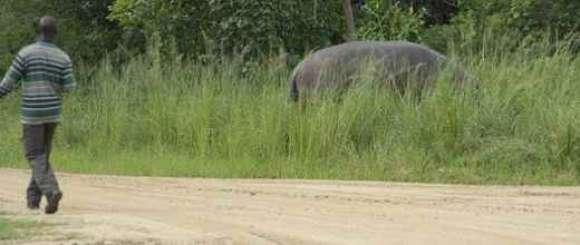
437, 12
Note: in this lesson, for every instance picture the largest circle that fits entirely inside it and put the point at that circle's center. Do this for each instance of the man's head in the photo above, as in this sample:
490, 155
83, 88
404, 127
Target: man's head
47, 28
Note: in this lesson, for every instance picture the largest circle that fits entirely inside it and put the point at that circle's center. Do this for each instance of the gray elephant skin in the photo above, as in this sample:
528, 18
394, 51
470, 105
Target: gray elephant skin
399, 65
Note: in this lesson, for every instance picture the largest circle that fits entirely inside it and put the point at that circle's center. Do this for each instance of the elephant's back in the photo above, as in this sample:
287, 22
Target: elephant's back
392, 51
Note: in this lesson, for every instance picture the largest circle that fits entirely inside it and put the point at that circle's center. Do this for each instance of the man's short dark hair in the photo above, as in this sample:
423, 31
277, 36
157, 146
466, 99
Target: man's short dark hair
47, 27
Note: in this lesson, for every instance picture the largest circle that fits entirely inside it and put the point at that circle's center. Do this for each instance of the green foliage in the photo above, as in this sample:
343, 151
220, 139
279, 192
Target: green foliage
13, 230
84, 30
253, 27
435, 12
16, 15
90, 29
245, 27
480, 22
216, 120
176, 22
527, 17
157, 113
385, 20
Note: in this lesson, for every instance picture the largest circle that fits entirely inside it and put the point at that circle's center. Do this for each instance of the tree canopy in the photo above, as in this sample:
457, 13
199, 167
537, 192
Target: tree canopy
251, 28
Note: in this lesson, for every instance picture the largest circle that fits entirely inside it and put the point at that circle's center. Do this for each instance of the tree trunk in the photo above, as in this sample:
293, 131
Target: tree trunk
348, 14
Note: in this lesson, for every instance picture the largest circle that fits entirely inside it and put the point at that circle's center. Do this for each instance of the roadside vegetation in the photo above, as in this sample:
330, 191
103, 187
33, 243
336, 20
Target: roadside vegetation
199, 89
225, 118
14, 230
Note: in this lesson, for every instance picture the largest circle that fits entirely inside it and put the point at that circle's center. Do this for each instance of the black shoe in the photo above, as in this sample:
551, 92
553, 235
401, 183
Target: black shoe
33, 206
33, 202
53, 200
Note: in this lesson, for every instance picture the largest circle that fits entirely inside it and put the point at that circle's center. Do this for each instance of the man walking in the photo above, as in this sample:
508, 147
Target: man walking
44, 72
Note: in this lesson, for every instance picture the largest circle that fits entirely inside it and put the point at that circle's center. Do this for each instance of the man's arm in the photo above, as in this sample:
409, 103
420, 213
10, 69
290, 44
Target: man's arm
12, 77
68, 78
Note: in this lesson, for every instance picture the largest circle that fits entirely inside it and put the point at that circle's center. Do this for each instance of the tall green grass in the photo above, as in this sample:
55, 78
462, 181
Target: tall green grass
228, 119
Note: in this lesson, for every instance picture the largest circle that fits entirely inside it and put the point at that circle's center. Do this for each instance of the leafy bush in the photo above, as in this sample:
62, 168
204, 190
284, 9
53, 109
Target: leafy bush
16, 15
480, 22
176, 22
385, 20
84, 33
256, 28
435, 12
245, 27
528, 17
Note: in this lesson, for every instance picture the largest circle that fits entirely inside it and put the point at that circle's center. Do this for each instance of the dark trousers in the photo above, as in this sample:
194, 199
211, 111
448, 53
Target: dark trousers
37, 146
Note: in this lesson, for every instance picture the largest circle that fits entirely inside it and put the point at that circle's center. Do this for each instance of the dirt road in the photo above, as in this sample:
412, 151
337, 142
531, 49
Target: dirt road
121, 210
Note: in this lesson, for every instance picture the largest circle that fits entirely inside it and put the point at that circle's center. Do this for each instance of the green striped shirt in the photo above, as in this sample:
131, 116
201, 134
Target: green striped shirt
44, 72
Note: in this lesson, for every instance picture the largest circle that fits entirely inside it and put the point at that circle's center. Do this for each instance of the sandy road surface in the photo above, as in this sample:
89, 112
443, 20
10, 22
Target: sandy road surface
122, 210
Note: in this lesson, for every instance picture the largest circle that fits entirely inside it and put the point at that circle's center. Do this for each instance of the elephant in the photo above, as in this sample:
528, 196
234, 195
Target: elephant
396, 64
